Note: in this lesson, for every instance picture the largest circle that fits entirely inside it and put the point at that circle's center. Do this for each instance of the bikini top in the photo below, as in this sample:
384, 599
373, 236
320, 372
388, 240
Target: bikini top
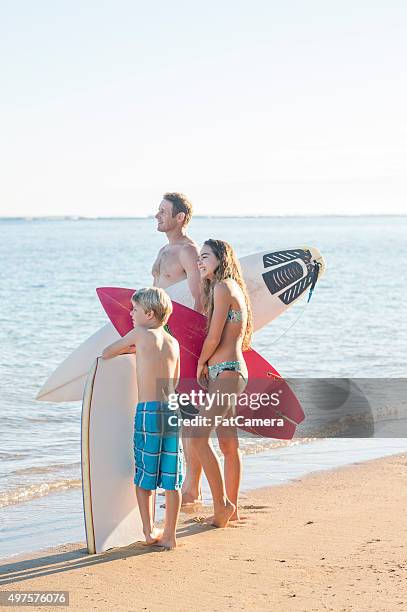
235, 316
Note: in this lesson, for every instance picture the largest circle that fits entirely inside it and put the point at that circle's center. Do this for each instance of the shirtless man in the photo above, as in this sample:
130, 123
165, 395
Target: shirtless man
176, 261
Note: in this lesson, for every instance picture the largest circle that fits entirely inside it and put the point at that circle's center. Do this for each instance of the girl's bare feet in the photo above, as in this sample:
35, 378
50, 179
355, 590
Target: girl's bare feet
235, 518
223, 513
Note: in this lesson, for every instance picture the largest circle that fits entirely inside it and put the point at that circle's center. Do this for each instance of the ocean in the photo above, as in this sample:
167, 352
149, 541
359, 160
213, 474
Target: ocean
352, 327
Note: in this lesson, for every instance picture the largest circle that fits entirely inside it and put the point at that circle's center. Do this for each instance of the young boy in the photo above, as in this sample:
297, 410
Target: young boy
158, 455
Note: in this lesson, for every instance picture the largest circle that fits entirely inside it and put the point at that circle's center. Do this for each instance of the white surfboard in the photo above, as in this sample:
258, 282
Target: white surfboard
275, 280
111, 513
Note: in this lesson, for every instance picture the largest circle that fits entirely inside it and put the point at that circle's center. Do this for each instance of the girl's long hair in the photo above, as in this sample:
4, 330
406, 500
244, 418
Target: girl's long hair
229, 267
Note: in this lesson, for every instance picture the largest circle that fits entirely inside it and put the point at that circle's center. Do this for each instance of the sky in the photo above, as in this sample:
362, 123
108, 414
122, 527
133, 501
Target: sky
259, 107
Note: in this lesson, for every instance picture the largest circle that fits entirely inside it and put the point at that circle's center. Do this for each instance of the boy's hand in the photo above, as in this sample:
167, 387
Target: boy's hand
122, 346
130, 350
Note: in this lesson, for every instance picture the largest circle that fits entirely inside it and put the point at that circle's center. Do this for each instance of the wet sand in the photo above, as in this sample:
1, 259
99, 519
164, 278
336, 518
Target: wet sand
333, 540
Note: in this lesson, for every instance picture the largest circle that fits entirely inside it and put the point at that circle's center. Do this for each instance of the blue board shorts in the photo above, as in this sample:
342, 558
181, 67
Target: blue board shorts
158, 451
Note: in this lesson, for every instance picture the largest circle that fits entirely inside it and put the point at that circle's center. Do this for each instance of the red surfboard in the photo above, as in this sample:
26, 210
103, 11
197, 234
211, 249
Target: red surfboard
189, 328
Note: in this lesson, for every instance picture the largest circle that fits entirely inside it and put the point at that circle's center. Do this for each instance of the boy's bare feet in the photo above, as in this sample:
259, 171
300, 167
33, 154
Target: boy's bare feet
153, 537
223, 513
166, 542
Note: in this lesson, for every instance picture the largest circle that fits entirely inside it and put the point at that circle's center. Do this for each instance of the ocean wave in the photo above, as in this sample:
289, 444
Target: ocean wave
28, 493
6, 455
43, 469
52, 419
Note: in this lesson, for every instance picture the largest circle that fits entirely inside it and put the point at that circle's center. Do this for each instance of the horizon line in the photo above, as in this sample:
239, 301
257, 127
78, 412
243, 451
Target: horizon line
196, 216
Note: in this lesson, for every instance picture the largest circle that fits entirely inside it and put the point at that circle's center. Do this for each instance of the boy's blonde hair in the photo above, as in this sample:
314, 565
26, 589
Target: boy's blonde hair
155, 299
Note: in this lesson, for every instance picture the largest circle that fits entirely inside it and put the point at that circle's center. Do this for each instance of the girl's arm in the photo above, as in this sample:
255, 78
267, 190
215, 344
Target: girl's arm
122, 346
221, 302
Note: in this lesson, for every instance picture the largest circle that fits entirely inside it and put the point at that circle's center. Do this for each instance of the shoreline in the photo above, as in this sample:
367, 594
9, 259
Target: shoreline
340, 545
268, 468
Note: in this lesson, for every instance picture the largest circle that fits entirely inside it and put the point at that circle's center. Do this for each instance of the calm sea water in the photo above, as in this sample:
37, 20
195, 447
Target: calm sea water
353, 326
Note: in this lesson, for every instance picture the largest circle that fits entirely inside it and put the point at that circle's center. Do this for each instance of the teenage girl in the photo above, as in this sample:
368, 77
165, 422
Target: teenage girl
222, 370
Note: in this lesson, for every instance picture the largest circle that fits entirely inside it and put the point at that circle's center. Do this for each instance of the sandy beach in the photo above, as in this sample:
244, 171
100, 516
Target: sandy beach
333, 540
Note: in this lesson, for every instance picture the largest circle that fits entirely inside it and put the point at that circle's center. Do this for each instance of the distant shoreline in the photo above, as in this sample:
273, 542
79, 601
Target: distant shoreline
107, 218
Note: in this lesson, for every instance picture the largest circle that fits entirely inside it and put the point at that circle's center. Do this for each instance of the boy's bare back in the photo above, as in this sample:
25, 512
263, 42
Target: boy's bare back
157, 358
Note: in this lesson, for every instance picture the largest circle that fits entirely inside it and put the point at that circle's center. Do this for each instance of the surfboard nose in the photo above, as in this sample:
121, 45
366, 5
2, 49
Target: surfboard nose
317, 256
290, 273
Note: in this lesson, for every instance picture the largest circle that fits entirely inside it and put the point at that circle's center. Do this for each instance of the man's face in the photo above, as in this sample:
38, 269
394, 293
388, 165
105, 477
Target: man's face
165, 221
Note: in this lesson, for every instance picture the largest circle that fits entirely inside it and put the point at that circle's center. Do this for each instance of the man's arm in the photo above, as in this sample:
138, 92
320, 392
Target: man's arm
177, 373
122, 346
155, 270
188, 259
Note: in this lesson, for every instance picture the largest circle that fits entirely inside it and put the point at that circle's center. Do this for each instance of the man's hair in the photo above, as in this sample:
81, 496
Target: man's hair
155, 299
180, 203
